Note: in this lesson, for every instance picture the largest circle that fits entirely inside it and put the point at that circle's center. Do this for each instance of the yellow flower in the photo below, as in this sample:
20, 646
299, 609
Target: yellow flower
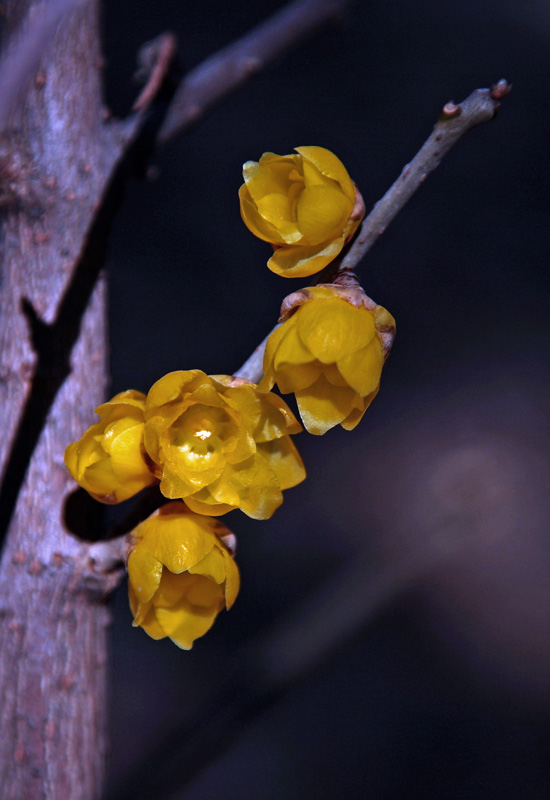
330, 353
219, 444
109, 459
306, 206
180, 574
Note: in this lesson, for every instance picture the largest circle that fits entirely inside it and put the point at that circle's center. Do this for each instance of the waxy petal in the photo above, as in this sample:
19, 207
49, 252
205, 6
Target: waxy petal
232, 580
252, 486
299, 202
285, 461
172, 386
108, 461
330, 165
322, 214
356, 415
144, 573
211, 566
278, 210
299, 262
255, 222
180, 574
322, 405
183, 625
331, 329
363, 368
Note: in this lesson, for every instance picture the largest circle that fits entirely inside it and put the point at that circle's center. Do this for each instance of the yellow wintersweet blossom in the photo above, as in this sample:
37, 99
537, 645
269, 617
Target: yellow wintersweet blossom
219, 444
305, 205
109, 460
329, 352
180, 574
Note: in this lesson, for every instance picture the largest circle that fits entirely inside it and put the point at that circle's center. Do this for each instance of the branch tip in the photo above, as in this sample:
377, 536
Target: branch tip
154, 58
501, 89
454, 121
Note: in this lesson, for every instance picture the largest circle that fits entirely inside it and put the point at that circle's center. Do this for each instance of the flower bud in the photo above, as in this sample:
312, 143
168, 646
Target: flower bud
305, 205
219, 443
180, 574
329, 351
109, 460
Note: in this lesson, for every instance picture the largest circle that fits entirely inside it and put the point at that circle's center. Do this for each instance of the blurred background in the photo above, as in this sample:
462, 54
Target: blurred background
391, 639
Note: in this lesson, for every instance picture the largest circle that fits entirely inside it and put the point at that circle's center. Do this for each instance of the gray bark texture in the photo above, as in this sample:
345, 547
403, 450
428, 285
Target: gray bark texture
57, 155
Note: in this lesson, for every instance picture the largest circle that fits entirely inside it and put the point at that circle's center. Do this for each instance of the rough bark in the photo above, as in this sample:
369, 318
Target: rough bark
56, 160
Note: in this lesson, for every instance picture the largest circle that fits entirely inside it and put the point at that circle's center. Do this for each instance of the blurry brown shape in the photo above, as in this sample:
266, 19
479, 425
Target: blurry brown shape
471, 479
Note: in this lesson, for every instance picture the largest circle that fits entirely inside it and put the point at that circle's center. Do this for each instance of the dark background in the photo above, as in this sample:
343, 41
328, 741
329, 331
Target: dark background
391, 638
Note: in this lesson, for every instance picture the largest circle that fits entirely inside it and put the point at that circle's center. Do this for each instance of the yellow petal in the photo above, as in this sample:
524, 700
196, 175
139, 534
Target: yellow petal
251, 486
125, 451
175, 487
232, 580
131, 397
147, 620
313, 176
183, 625
172, 588
291, 351
107, 487
356, 415
294, 379
299, 262
332, 374
322, 405
292, 424
363, 369
330, 165
212, 566
265, 415
71, 458
284, 460
205, 595
322, 213
175, 537
82, 454
271, 174
287, 361
383, 318
172, 386
331, 329
278, 210
203, 503
255, 222
207, 393
270, 349
144, 572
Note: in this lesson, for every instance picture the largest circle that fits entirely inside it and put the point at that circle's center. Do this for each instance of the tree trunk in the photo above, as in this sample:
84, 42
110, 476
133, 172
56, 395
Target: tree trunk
55, 164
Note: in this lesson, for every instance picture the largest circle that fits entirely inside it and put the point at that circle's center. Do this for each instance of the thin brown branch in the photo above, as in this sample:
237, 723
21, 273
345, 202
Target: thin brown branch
454, 121
155, 57
226, 70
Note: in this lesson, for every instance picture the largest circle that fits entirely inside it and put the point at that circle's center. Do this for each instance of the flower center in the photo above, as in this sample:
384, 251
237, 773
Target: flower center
201, 435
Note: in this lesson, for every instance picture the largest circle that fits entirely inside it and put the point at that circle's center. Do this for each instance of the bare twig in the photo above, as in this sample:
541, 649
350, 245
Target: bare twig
252, 369
25, 51
156, 58
454, 122
226, 70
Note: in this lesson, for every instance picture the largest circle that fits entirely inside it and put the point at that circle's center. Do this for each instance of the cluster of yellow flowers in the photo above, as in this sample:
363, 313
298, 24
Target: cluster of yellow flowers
214, 443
